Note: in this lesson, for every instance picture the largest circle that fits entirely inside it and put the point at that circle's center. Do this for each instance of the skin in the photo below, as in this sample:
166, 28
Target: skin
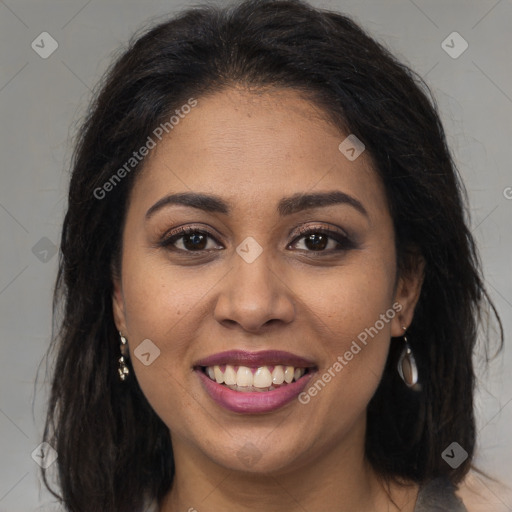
252, 149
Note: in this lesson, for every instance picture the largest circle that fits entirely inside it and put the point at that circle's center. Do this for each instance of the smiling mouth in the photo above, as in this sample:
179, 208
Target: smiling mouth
254, 379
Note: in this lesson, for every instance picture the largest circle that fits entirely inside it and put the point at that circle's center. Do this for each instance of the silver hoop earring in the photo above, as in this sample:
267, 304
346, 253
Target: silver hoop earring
407, 368
123, 369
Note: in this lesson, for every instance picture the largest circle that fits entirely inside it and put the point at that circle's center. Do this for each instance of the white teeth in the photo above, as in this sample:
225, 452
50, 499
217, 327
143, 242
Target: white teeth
229, 376
278, 375
262, 379
244, 376
219, 377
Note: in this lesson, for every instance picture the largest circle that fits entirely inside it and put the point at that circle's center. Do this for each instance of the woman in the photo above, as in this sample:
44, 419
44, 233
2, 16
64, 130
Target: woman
271, 295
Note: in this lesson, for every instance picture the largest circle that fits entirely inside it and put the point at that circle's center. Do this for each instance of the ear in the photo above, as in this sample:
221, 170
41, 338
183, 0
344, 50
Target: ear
407, 293
118, 307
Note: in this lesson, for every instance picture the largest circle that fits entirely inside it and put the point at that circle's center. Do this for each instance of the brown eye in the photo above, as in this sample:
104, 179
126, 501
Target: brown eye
195, 241
189, 239
316, 241
322, 240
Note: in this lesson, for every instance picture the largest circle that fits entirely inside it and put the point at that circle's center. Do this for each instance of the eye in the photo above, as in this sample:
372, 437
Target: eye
310, 239
320, 239
189, 239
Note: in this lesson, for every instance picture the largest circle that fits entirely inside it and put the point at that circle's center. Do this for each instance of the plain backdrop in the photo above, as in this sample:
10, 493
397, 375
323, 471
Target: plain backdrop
42, 101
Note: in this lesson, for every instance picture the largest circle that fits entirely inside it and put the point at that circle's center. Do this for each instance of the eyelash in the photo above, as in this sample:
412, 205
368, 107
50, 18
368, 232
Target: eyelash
343, 241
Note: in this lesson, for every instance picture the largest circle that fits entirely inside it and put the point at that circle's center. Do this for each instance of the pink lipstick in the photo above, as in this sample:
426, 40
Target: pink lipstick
251, 402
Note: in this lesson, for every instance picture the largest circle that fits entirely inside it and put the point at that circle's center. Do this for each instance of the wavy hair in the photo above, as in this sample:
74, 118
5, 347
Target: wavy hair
114, 452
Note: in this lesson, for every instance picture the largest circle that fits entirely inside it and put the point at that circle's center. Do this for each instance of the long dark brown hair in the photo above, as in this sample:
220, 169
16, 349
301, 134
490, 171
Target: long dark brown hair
113, 450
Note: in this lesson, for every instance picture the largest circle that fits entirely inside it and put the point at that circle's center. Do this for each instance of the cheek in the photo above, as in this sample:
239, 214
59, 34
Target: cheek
162, 306
159, 305
159, 297
351, 297
353, 310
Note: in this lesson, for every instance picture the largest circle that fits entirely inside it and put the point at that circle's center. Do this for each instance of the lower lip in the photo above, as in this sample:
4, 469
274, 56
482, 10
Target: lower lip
253, 402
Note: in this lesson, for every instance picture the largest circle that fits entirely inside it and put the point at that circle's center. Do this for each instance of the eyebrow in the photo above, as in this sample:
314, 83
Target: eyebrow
286, 206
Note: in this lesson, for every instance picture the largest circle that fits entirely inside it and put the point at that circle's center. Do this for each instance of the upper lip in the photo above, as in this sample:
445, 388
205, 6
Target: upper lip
262, 358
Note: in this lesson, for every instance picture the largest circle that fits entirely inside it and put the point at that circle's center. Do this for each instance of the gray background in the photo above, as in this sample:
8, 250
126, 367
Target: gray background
42, 100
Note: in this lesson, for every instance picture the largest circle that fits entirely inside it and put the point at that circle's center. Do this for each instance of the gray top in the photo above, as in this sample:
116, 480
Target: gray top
436, 496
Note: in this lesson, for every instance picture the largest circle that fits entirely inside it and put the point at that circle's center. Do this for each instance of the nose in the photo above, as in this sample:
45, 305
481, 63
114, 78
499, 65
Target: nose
254, 296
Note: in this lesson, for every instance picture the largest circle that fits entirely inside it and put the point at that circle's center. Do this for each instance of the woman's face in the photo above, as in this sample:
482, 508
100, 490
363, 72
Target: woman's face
262, 268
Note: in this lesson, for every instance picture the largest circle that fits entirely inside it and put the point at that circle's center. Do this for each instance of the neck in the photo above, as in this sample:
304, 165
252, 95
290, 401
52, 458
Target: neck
338, 480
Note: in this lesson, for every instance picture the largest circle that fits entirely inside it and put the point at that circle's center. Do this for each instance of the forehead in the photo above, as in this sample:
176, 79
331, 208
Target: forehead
253, 148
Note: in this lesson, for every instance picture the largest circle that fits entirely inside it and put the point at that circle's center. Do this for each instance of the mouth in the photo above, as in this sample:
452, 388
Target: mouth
254, 382
247, 379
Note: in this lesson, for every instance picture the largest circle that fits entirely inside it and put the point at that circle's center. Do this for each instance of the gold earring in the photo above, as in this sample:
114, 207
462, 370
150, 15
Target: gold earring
407, 368
123, 369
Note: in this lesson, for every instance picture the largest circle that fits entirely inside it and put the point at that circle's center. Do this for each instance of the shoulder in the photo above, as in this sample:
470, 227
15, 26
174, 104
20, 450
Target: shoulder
481, 494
